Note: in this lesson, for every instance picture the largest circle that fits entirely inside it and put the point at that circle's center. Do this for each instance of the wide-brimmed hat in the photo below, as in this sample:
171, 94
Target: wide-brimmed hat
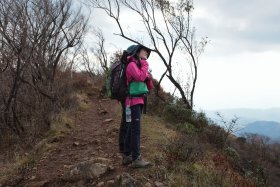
134, 49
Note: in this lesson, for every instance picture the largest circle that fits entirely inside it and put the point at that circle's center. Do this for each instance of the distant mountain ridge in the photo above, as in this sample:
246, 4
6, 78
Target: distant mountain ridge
267, 128
247, 115
260, 121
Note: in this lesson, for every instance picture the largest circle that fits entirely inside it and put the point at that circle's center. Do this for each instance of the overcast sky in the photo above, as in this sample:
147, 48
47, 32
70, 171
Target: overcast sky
240, 66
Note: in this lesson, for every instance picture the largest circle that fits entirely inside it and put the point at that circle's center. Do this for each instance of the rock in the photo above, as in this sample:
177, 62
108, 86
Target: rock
118, 177
148, 184
110, 140
111, 168
84, 144
102, 160
108, 120
76, 143
103, 112
86, 170
35, 183
125, 180
85, 158
110, 183
97, 142
100, 184
80, 183
115, 129
158, 184
67, 166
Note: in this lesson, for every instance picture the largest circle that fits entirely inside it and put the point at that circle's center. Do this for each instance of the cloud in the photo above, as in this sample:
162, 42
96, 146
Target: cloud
244, 25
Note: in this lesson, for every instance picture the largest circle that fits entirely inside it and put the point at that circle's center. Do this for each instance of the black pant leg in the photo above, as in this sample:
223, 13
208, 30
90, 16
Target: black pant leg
123, 128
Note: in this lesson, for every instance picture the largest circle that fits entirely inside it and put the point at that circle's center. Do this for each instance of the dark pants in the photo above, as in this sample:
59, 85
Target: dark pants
123, 128
132, 139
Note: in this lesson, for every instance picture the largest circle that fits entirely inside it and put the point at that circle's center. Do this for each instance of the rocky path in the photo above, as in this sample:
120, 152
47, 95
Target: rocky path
88, 156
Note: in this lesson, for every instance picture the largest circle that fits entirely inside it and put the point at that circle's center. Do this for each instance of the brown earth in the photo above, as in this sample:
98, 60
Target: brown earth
94, 136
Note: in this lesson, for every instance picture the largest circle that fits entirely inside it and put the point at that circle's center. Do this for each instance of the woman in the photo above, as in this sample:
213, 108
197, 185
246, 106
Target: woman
137, 71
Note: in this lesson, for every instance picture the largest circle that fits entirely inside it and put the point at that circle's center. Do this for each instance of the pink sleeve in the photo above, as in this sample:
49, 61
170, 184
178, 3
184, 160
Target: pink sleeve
150, 84
135, 73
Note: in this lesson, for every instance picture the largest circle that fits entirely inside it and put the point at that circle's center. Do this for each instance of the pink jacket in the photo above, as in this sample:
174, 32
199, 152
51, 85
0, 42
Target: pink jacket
133, 72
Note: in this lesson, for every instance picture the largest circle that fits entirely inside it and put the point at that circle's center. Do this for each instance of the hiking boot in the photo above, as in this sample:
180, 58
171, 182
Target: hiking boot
127, 160
140, 163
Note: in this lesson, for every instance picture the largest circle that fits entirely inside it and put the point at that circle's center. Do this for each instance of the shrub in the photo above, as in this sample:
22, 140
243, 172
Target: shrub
182, 149
156, 104
215, 134
186, 128
241, 140
176, 113
200, 120
232, 153
256, 172
81, 81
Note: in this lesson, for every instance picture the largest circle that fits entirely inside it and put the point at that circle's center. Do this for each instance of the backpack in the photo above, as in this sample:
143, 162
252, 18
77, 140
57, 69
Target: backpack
116, 79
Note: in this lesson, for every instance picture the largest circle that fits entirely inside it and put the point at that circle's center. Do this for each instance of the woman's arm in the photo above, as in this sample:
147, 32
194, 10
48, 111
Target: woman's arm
149, 82
137, 74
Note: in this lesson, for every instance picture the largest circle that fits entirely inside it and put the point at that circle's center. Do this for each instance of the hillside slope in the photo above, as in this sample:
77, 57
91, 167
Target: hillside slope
83, 151
94, 139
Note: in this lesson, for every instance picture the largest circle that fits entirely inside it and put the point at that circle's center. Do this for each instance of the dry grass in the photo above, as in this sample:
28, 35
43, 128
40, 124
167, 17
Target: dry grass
208, 170
155, 128
62, 124
15, 167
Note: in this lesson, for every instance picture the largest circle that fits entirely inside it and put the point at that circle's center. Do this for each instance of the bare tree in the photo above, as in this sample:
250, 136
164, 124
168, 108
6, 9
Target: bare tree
99, 51
91, 67
168, 27
229, 126
97, 58
35, 36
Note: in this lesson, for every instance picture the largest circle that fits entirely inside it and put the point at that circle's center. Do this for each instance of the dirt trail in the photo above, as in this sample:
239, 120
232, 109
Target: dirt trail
92, 137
